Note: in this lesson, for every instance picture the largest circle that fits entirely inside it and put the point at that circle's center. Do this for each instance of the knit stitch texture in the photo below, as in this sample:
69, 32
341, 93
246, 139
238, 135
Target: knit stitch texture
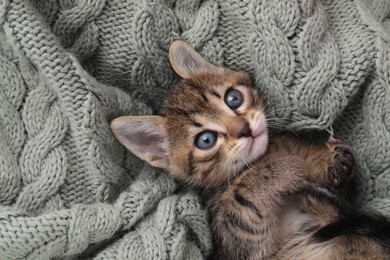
67, 68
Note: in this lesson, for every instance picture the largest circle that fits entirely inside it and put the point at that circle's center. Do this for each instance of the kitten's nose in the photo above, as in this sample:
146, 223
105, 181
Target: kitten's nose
238, 127
244, 131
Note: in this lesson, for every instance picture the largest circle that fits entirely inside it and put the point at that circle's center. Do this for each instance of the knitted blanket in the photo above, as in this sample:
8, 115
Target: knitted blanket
67, 68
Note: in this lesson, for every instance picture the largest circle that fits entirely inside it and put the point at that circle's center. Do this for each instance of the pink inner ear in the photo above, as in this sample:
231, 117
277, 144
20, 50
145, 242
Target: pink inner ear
143, 138
190, 64
150, 143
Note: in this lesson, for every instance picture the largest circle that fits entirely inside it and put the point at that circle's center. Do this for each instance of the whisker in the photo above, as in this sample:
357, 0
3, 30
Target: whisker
264, 108
247, 163
276, 125
291, 130
281, 118
274, 110
250, 169
228, 173
282, 127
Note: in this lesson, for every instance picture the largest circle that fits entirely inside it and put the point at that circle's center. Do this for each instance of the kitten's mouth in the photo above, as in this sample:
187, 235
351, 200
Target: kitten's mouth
256, 145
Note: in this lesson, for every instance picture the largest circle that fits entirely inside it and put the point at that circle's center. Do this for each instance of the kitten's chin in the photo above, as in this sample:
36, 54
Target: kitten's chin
257, 146
252, 148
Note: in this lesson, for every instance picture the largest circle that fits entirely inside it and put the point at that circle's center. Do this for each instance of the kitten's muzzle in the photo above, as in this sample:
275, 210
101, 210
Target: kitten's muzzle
245, 131
239, 127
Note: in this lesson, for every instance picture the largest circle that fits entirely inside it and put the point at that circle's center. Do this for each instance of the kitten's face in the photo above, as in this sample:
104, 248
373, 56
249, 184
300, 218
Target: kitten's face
211, 127
215, 125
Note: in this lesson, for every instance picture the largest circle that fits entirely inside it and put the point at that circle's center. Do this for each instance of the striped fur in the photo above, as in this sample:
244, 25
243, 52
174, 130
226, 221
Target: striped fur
274, 200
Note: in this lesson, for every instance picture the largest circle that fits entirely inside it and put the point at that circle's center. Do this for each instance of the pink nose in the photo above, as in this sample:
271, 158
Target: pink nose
244, 131
238, 127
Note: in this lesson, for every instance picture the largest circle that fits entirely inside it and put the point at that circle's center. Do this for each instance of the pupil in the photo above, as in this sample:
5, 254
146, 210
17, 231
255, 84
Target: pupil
233, 98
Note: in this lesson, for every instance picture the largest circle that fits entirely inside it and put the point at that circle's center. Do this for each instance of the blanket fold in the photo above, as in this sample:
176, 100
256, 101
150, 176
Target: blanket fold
69, 190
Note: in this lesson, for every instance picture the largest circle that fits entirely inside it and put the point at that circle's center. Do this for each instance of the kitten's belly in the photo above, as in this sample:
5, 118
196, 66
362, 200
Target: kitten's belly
296, 228
294, 222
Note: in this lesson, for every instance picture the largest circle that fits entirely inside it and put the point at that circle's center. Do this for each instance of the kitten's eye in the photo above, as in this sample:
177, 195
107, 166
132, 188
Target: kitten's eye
233, 98
206, 140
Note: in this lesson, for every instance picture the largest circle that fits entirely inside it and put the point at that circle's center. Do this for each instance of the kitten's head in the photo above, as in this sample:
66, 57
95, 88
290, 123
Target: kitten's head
211, 126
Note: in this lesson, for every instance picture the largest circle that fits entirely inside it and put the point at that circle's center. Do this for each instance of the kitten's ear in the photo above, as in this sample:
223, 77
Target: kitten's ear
145, 137
186, 61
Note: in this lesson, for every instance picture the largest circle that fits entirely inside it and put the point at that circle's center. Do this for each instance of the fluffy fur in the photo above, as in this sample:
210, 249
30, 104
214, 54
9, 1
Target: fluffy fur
270, 196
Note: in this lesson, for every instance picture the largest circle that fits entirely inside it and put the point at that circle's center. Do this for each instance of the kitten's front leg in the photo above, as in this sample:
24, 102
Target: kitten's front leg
341, 167
333, 165
337, 162
330, 163
245, 213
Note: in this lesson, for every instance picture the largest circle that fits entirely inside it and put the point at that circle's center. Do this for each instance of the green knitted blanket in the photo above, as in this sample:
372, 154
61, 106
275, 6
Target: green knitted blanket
68, 67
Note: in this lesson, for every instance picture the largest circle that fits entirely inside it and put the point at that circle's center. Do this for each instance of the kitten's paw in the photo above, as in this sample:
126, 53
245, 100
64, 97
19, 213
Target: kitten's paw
341, 166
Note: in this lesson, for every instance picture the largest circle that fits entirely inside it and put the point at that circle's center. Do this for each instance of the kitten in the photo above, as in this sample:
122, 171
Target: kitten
270, 196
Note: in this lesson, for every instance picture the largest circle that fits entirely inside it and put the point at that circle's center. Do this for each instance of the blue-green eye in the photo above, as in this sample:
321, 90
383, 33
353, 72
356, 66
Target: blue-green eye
206, 140
233, 98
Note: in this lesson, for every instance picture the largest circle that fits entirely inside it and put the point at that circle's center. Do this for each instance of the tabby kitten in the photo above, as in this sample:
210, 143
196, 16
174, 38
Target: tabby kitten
270, 196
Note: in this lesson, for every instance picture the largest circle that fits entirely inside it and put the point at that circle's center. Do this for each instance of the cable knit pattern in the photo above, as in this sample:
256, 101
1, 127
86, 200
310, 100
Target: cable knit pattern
67, 68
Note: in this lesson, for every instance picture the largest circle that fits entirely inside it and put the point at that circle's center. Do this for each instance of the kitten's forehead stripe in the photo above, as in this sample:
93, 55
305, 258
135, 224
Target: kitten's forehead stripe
195, 87
196, 124
244, 82
215, 93
205, 99
186, 100
184, 112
